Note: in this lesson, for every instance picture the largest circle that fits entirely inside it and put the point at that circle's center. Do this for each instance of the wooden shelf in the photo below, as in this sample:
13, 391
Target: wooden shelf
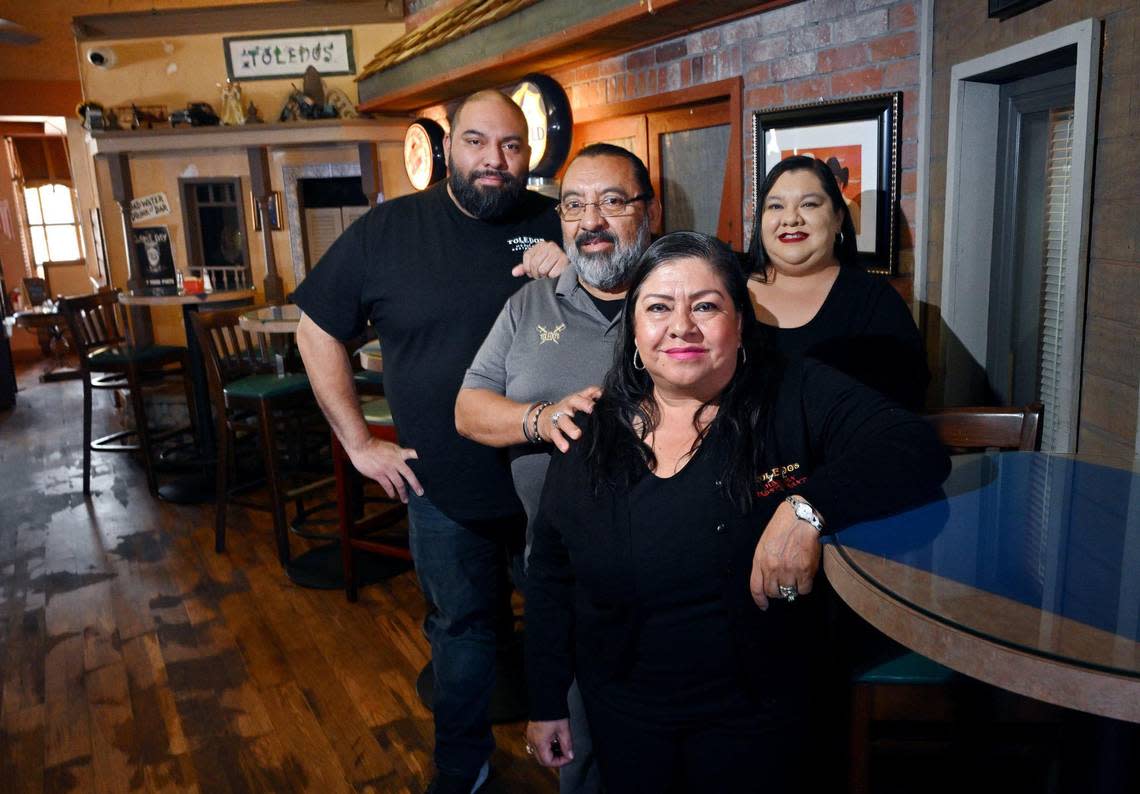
298, 133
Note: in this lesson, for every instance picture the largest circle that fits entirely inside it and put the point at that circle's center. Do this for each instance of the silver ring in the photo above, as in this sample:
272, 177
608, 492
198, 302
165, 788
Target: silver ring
557, 415
788, 592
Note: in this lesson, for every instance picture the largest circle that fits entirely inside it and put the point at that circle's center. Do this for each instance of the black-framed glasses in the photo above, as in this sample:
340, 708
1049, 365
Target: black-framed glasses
610, 206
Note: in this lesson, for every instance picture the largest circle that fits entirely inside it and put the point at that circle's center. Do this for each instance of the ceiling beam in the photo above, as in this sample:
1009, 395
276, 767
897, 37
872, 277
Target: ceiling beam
286, 15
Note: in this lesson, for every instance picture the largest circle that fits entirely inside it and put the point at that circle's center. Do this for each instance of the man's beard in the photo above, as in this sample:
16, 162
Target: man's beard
607, 270
485, 202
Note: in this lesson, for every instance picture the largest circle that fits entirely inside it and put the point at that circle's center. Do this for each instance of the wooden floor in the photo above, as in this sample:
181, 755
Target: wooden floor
133, 658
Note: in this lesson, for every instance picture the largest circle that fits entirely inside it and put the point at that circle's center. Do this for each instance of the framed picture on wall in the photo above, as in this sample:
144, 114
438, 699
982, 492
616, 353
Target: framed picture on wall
859, 141
274, 200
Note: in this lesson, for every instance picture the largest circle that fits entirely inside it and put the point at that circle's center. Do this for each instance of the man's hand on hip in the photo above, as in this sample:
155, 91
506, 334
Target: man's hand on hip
386, 463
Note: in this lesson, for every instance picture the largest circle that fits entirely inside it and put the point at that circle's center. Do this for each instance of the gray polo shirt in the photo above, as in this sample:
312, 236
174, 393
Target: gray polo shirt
548, 341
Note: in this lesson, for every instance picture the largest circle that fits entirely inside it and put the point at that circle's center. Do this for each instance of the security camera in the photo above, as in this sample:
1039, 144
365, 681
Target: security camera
101, 57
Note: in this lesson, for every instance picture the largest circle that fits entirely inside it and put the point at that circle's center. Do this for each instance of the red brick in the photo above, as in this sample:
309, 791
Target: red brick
610, 67
859, 81
841, 58
909, 157
902, 16
901, 73
909, 182
761, 74
810, 89
639, 60
889, 48
583, 73
698, 69
757, 98
686, 74
671, 51
910, 126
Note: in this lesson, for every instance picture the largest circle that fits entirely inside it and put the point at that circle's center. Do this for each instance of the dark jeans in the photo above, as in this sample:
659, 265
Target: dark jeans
463, 570
738, 753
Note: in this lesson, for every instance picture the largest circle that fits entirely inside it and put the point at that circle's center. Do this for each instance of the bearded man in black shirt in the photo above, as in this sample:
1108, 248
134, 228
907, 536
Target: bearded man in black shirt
430, 272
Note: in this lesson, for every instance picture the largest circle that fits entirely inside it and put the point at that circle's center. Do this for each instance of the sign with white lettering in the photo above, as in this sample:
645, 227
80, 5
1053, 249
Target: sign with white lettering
156, 260
289, 54
146, 207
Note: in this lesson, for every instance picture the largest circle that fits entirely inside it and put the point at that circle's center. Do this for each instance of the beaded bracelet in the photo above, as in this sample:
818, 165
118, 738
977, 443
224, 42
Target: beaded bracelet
526, 422
542, 406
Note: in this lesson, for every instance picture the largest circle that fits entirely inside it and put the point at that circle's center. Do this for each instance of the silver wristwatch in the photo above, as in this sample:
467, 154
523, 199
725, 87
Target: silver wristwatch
805, 512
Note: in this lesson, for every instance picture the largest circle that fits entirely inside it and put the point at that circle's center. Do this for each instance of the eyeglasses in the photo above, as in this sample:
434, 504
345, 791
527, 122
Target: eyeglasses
609, 206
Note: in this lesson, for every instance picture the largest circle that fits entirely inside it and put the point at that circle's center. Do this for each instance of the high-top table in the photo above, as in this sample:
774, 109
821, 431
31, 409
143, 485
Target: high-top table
196, 488
48, 326
1027, 577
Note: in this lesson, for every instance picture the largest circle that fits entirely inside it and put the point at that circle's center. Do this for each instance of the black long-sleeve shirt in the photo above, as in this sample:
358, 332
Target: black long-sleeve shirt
842, 446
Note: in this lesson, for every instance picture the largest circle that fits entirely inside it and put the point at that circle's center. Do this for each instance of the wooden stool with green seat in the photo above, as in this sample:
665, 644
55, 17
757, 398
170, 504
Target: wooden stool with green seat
107, 360
354, 525
250, 395
911, 687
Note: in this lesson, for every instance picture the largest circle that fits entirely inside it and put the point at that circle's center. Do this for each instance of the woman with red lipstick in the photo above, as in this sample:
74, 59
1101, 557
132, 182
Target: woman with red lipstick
678, 539
811, 296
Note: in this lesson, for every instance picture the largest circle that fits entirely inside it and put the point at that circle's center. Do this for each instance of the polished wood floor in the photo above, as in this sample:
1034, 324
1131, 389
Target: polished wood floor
135, 659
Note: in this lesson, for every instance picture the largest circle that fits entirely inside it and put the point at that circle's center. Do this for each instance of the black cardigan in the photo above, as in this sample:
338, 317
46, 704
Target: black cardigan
842, 446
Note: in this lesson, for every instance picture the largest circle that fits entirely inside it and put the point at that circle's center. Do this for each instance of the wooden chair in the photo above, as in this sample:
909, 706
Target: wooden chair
250, 396
909, 687
107, 360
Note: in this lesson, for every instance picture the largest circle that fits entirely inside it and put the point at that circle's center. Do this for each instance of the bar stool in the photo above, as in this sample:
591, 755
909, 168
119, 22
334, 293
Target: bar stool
251, 396
107, 360
354, 525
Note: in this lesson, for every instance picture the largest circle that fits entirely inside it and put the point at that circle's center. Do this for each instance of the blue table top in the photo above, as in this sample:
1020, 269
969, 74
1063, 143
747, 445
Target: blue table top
1056, 534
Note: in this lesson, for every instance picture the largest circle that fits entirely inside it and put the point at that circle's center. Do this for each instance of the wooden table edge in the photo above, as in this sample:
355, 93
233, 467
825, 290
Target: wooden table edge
1050, 680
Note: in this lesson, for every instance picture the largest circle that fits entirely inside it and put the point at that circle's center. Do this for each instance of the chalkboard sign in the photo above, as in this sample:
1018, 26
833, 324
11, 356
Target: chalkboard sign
35, 291
156, 260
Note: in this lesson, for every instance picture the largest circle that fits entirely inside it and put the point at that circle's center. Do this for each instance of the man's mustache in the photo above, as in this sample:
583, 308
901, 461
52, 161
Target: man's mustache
587, 237
506, 176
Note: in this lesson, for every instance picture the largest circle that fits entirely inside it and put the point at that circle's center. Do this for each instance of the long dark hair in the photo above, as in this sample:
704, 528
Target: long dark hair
846, 251
617, 454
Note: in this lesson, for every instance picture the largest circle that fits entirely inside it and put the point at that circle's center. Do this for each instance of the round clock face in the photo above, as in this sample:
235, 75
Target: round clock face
528, 97
418, 156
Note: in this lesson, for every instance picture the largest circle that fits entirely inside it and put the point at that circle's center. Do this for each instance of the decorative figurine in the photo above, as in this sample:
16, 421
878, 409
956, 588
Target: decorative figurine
232, 112
251, 114
196, 114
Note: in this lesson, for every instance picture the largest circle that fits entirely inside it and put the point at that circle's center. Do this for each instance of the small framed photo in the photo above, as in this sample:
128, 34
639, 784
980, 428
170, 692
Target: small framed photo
859, 141
274, 200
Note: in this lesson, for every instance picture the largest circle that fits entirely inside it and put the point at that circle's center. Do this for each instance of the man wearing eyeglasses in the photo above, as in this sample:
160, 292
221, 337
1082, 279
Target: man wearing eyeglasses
553, 342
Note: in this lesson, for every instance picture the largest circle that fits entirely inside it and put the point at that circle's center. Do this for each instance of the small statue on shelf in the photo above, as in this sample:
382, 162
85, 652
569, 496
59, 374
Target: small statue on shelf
252, 116
232, 108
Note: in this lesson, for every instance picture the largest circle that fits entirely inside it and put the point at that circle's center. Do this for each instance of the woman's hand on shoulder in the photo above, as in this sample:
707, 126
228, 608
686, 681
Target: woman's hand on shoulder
557, 425
787, 554
543, 738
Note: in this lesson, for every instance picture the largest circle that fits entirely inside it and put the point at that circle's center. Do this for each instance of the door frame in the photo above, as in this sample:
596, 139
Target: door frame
971, 171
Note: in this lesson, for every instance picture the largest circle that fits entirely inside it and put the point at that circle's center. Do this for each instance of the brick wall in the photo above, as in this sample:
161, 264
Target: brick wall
804, 52
1111, 362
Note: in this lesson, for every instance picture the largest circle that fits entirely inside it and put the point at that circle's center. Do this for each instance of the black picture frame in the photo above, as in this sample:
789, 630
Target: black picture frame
282, 40
856, 125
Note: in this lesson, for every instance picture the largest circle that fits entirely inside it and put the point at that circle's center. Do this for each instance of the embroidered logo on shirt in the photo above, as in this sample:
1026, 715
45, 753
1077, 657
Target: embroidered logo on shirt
545, 336
518, 244
779, 478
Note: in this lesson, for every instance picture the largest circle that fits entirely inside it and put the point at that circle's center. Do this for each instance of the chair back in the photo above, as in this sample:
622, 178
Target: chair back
977, 428
229, 351
95, 322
